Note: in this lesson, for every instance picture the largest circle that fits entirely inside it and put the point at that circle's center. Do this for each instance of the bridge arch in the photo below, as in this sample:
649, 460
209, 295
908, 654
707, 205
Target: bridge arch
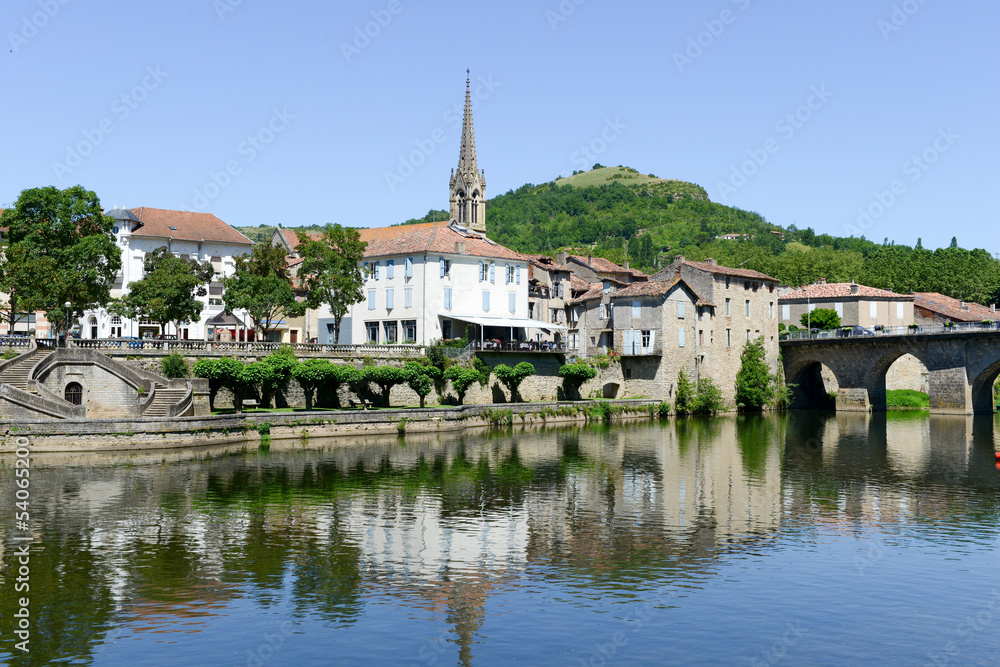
982, 389
810, 390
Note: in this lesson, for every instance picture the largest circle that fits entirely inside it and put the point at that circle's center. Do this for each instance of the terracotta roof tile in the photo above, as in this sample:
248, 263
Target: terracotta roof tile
730, 271
436, 237
657, 287
952, 308
185, 226
840, 290
545, 262
607, 266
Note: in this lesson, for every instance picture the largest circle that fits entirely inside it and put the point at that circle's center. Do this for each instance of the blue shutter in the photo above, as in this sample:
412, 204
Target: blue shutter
390, 269
486, 301
447, 298
517, 274
512, 302
482, 275
442, 266
408, 267
493, 272
376, 270
388, 299
371, 299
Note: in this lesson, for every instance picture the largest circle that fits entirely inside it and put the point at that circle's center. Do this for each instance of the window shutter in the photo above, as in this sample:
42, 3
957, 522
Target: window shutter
408, 267
680, 338
512, 302
407, 297
371, 299
493, 272
376, 270
441, 263
517, 276
636, 309
652, 339
486, 301
627, 338
390, 269
447, 297
482, 272
389, 299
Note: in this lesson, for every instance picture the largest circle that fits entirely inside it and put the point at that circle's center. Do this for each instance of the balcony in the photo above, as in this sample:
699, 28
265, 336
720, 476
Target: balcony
636, 349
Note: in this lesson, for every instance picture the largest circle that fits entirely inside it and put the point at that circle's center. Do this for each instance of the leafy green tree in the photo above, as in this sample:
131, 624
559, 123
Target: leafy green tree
311, 375
262, 287
282, 363
241, 379
167, 292
461, 379
421, 378
821, 318
513, 377
60, 248
206, 368
385, 378
708, 398
574, 375
684, 398
755, 384
331, 270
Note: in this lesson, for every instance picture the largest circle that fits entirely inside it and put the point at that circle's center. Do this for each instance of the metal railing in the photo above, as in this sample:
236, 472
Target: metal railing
912, 330
236, 347
517, 346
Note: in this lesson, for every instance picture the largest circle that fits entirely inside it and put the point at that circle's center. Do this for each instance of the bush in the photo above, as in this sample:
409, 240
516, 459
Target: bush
906, 398
461, 379
755, 384
684, 398
708, 399
174, 366
9, 354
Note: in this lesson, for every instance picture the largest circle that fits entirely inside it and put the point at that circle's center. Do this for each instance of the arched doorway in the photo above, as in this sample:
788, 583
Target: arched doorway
92, 321
74, 393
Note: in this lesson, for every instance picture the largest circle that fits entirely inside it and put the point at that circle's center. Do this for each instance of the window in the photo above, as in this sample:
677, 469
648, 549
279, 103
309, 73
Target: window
390, 269
486, 301
390, 301
368, 270
636, 309
574, 341
611, 311
899, 311
508, 274
873, 309
559, 289
74, 393
445, 267
607, 287
531, 311
680, 338
371, 332
729, 338
409, 331
493, 272
408, 267
602, 312
645, 338
446, 329
116, 320
511, 301
839, 307
371, 299
407, 297
376, 270
701, 337
748, 307
727, 283
574, 315
727, 305
770, 310
748, 335
554, 315
447, 298
680, 310
390, 332
786, 312
483, 269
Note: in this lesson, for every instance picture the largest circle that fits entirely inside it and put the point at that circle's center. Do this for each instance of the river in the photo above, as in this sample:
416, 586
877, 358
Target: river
803, 539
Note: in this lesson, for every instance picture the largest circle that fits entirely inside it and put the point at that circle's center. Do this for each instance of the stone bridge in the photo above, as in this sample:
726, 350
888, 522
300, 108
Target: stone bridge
962, 368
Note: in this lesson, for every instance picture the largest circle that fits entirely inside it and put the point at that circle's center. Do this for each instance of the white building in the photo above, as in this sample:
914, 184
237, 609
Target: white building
199, 236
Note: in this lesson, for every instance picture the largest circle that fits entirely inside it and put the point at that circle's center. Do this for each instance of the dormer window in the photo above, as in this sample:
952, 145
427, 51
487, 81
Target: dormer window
172, 228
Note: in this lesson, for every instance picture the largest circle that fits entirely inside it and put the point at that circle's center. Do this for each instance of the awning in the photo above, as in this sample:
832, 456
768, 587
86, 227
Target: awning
507, 322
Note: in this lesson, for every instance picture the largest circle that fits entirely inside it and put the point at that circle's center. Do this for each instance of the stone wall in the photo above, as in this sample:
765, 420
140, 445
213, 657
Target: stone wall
104, 394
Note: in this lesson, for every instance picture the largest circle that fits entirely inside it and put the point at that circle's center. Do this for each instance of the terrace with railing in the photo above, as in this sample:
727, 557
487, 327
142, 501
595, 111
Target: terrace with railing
911, 330
211, 348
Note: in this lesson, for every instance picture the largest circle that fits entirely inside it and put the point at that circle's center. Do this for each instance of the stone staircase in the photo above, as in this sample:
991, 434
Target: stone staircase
163, 399
19, 372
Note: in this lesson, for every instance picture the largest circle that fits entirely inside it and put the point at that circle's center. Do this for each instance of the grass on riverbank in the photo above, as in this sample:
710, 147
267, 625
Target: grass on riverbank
906, 398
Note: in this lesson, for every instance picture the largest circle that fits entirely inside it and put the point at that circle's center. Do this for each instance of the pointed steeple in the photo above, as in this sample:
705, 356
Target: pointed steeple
468, 184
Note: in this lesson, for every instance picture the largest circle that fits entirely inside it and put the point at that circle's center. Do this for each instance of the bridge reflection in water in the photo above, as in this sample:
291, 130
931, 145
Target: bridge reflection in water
437, 528
962, 368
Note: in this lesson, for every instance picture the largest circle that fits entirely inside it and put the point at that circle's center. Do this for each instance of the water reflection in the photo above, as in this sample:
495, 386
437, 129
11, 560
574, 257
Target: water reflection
437, 527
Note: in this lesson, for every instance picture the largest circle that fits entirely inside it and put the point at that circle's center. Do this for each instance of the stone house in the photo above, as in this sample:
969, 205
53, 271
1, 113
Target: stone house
199, 236
597, 269
855, 304
549, 288
935, 308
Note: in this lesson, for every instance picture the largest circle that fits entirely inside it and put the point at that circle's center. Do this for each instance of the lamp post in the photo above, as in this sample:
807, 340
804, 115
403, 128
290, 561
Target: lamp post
68, 306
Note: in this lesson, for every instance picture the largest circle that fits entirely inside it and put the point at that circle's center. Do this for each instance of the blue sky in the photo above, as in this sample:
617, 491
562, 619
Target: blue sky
349, 112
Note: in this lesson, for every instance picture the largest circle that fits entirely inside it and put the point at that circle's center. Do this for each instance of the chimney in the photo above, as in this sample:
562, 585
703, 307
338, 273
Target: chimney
590, 260
821, 281
460, 247
854, 288
561, 257
678, 260
711, 261
993, 308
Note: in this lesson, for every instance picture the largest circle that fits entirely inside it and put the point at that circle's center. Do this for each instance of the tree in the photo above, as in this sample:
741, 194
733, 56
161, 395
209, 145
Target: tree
261, 286
821, 318
708, 399
385, 378
311, 375
461, 379
282, 364
241, 379
513, 377
755, 384
421, 378
574, 375
62, 236
331, 271
684, 398
167, 292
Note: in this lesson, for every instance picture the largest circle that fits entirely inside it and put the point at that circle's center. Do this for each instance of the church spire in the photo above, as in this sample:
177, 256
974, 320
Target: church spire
468, 184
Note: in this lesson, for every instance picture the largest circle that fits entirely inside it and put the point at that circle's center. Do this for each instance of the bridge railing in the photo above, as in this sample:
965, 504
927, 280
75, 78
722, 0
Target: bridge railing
912, 330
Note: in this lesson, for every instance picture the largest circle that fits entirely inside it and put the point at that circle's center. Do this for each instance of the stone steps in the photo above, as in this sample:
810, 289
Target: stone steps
18, 374
162, 400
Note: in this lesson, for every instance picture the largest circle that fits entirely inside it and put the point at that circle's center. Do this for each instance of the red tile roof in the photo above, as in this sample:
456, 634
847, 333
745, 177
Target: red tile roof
545, 262
603, 265
730, 271
185, 226
596, 291
841, 291
657, 287
951, 308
